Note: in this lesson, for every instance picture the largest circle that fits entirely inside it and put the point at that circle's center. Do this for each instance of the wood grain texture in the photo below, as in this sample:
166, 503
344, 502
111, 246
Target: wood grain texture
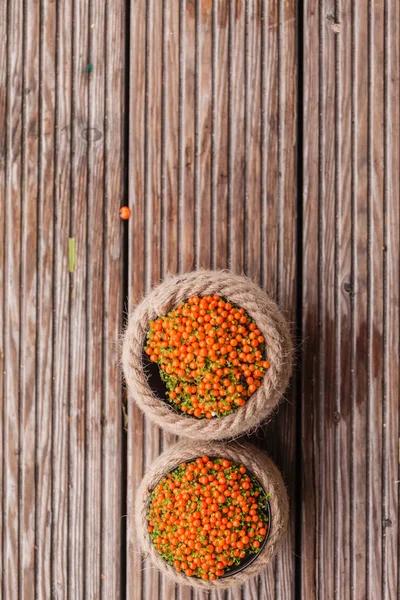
350, 393
61, 308
3, 195
79, 437
391, 283
269, 209
203, 134
236, 134
136, 283
211, 136
188, 111
152, 220
112, 521
95, 301
169, 180
220, 129
187, 133
45, 302
61, 420
28, 282
11, 554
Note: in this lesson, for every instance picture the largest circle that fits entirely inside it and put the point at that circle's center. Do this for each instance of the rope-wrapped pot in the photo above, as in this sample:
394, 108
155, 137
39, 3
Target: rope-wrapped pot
258, 463
240, 291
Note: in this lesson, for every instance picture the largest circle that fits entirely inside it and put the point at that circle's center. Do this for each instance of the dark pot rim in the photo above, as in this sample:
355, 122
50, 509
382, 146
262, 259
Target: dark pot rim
250, 558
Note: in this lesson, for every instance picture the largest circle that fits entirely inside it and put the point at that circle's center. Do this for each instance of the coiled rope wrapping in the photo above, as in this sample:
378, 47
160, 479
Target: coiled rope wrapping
240, 291
257, 462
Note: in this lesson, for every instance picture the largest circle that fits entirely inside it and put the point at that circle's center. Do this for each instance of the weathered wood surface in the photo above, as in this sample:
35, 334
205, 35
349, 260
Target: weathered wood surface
259, 135
213, 183
350, 300
61, 176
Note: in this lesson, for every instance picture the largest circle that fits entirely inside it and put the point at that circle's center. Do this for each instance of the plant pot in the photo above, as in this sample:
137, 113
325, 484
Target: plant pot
259, 465
144, 382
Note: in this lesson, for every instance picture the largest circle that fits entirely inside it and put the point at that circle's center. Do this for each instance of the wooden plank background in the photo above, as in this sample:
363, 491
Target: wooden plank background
212, 183
350, 319
259, 135
62, 160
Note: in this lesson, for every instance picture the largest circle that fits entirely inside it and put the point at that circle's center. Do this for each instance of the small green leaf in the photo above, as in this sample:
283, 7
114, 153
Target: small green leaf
71, 255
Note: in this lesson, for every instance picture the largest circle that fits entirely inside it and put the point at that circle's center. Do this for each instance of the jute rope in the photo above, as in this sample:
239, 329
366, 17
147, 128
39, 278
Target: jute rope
240, 291
256, 462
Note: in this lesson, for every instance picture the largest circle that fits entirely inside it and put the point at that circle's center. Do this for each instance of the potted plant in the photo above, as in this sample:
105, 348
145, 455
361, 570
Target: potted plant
211, 515
207, 354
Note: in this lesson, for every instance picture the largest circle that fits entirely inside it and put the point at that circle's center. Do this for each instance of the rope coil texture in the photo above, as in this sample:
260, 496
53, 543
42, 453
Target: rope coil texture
258, 463
241, 291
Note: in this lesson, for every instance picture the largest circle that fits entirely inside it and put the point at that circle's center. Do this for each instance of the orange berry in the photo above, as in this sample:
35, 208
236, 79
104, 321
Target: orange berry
125, 212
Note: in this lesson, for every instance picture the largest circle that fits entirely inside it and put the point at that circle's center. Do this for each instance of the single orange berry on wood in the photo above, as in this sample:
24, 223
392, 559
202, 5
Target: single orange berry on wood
125, 212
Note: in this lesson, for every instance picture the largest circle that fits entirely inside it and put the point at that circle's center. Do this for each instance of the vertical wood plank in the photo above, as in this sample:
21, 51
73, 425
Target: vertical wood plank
390, 555
252, 164
328, 165
27, 362
136, 265
186, 181
80, 320
114, 165
61, 359
11, 555
310, 315
3, 178
152, 158
287, 281
203, 233
45, 299
252, 138
327, 512
236, 117
375, 297
169, 181
187, 102
152, 220
269, 190
360, 276
348, 498
95, 242
269, 144
343, 304
203, 135
170, 124
220, 123
134, 583
136, 147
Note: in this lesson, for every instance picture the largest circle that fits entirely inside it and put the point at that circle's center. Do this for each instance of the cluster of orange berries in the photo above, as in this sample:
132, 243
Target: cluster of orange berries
210, 355
206, 516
